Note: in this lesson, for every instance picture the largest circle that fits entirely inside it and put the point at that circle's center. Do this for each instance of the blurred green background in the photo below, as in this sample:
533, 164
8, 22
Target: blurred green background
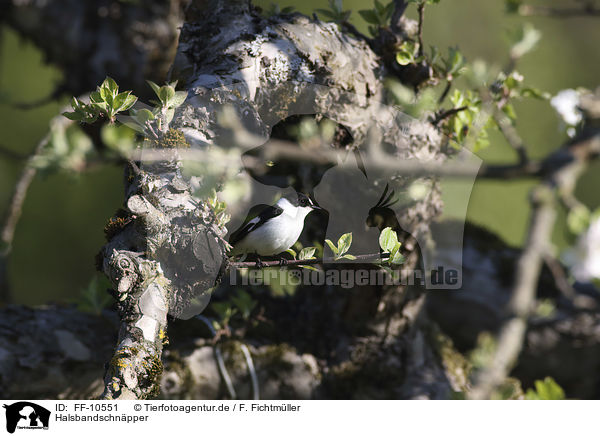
61, 227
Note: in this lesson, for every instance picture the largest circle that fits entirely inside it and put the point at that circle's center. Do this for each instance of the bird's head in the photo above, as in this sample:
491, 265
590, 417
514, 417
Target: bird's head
302, 204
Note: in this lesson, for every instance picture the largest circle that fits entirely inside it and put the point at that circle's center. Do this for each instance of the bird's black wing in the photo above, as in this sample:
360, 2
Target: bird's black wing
266, 213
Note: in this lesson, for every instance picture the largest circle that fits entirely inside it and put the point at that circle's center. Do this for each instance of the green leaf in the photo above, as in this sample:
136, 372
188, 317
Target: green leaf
178, 99
120, 100
344, 243
144, 115
109, 99
169, 115
349, 257
104, 93
307, 253
512, 6
75, 116
546, 389
244, 303
332, 247
369, 16
75, 104
100, 107
96, 97
406, 53
129, 102
397, 258
291, 251
110, 85
455, 63
578, 219
404, 58
388, 239
326, 13
535, 93
165, 94
154, 87
509, 111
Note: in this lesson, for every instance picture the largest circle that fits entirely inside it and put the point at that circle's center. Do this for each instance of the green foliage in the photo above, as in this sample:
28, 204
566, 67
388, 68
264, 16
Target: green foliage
545, 308
275, 9
157, 120
413, 105
388, 241
454, 64
481, 355
105, 102
336, 12
512, 6
307, 253
343, 245
379, 16
239, 305
94, 298
459, 125
68, 149
219, 209
578, 219
118, 138
224, 312
244, 303
546, 389
407, 53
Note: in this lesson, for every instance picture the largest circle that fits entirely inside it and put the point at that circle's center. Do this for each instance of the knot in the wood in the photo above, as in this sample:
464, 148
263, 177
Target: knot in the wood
122, 271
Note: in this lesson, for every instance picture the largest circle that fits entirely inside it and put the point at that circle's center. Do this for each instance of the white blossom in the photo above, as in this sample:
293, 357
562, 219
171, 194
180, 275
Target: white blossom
586, 257
565, 103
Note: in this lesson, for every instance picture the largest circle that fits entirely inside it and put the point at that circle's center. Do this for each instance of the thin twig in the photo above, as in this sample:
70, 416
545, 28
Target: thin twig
10, 154
445, 92
367, 258
544, 199
219, 358
251, 371
224, 373
442, 115
349, 28
560, 277
421, 10
512, 136
13, 214
512, 333
396, 22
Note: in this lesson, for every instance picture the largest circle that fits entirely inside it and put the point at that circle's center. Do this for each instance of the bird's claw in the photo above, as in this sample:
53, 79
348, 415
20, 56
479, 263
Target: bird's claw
259, 263
283, 261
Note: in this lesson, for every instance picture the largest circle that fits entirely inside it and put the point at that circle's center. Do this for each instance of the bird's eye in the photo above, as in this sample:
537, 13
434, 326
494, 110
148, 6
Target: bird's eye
304, 201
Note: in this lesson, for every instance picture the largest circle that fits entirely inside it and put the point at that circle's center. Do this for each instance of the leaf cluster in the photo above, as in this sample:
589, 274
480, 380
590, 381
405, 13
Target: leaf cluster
105, 102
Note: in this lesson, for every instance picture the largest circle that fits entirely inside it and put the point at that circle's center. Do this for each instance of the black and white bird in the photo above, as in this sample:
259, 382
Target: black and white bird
275, 229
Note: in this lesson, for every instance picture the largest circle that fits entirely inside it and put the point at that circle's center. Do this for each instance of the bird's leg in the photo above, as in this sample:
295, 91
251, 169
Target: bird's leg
283, 261
259, 263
